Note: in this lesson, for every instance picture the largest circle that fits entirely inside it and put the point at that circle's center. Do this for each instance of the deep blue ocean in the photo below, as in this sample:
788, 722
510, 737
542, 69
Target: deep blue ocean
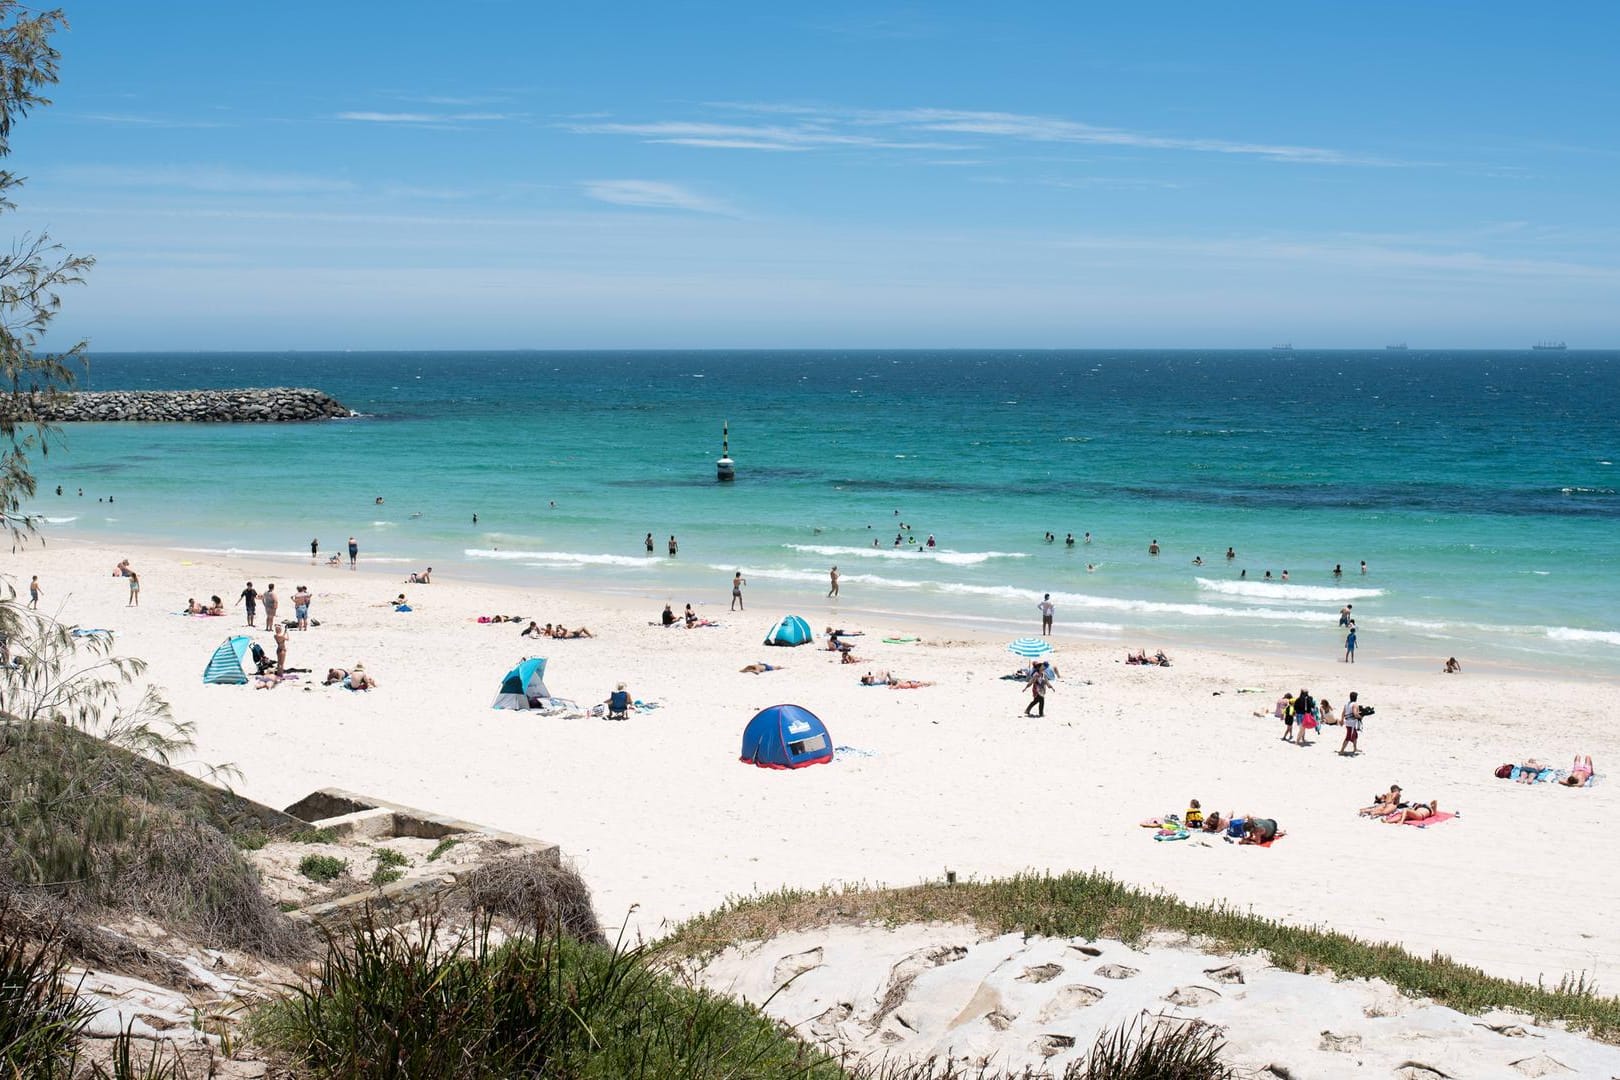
1480, 487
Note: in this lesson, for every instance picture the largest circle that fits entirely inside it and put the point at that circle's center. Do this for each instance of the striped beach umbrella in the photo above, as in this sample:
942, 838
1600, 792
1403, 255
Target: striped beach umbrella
1030, 647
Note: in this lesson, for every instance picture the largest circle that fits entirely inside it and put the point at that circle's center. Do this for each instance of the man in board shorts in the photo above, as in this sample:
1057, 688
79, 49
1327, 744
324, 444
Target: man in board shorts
354, 552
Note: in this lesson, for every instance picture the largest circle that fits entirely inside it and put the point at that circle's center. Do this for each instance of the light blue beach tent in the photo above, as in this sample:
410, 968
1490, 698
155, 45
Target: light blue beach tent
523, 685
792, 630
228, 664
786, 737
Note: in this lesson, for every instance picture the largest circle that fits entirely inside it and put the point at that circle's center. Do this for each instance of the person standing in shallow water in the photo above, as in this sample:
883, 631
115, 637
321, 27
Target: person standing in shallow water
649, 543
354, 551
673, 546
834, 575
1046, 613
314, 550
1350, 644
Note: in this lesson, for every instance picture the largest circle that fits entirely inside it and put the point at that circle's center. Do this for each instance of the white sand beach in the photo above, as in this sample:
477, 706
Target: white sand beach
664, 822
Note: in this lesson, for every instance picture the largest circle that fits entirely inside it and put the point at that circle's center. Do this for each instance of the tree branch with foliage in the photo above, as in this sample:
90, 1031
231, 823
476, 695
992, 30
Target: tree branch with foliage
32, 275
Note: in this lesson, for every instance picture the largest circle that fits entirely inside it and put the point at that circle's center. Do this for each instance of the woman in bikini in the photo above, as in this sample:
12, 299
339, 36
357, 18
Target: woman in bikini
1415, 812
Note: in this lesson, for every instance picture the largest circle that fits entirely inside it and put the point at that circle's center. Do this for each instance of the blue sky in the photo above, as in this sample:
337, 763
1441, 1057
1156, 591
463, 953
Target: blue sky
528, 175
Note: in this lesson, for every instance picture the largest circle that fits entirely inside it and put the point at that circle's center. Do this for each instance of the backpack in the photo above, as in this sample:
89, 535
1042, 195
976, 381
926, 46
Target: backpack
1504, 771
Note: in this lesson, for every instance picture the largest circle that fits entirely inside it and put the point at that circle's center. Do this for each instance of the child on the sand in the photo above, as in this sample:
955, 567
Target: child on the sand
1195, 816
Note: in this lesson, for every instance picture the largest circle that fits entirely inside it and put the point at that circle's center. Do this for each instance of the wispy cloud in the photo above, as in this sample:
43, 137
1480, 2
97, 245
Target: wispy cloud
140, 120
780, 137
204, 178
1348, 251
425, 119
813, 127
653, 194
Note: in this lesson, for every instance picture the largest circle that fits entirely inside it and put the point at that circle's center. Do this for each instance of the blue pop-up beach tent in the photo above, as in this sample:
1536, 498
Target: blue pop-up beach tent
523, 685
228, 664
786, 737
792, 630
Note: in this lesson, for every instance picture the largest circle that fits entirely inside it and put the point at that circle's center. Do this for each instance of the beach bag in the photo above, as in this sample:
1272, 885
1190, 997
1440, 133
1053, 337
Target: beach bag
1504, 771
1309, 722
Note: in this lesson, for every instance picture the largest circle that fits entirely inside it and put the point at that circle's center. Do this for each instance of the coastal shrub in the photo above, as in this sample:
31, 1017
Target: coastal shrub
315, 836
322, 868
386, 856
1095, 905
252, 840
40, 1017
92, 816
531, 890
441, 847
420, 1001
389, 868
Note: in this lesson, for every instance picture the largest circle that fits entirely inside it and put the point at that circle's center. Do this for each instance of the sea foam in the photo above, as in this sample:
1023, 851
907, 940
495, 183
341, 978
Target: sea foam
568, 558
1570, 633
1269, 590
941, 555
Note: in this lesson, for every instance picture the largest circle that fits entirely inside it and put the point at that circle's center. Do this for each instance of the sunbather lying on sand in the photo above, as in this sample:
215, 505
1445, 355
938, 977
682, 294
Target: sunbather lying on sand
884, 678
760, 668
335, 675
1383, 804
1530, 770
1579, 773
850, 658
1415, 812
1140, 656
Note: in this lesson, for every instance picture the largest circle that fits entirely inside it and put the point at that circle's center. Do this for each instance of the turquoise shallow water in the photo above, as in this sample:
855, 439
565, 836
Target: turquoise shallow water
1479, 487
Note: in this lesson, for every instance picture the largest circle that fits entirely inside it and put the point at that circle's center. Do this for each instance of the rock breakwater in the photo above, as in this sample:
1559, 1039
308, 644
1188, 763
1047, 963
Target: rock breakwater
269, 405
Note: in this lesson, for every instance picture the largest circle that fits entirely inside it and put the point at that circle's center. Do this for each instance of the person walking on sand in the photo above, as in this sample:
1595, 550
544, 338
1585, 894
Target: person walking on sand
314, 550
834, 575
270, 601
301, 607
737, 582
1352, 726
1046, 614
354, 551
33, 593
250, 596
134, 588
1350, 644
1037, 689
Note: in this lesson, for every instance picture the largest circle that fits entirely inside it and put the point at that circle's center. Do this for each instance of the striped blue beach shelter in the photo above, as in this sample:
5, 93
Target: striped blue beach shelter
228, 665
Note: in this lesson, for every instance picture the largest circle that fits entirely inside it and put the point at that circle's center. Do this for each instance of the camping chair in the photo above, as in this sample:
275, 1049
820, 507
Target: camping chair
618, 706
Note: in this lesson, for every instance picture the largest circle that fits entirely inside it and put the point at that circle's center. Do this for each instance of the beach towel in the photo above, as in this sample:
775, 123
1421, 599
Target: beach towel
853, 752
76, 632
403, 607
1432, 819
900, 640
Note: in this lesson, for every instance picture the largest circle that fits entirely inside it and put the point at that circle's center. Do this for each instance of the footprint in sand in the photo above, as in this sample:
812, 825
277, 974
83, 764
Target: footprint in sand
1041, 973
1048, 1045
1191, 997
1540, 1065
1117, 971
1070, 998
1344, 1044
796, 964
